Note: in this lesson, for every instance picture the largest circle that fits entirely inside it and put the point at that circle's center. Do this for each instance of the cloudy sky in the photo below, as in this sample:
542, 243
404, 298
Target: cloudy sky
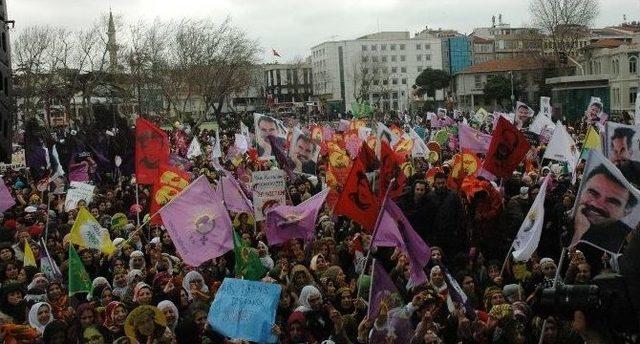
292, 27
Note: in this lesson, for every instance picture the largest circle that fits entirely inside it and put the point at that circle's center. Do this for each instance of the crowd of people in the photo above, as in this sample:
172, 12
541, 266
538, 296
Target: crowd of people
143, 292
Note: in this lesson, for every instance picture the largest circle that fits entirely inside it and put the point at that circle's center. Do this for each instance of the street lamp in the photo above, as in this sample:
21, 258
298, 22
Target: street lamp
512, 95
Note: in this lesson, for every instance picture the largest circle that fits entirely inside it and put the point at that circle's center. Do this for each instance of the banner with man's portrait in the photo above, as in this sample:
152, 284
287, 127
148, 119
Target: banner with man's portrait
265, 126
304, 152
606, 207
595, 112
622, 147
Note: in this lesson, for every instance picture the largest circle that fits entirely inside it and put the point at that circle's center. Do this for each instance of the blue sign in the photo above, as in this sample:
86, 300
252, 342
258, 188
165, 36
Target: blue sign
246, 310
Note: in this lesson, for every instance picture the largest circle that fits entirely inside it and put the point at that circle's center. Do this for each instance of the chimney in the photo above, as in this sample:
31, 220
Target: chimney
493, 21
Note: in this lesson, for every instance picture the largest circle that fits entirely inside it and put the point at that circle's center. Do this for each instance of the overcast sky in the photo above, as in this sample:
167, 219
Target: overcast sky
292, 27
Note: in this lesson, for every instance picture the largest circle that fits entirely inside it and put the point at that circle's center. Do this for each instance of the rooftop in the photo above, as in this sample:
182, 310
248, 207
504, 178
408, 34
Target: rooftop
504, 65
605, 43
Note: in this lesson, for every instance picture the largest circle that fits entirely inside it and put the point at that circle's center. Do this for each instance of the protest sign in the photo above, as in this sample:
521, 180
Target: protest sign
245, 310
268, 191
18, 161
78, 192
265, 126
622, 147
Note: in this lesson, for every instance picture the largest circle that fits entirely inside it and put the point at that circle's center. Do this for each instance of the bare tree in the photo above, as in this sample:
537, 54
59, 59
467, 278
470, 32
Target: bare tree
372, 80
565, 21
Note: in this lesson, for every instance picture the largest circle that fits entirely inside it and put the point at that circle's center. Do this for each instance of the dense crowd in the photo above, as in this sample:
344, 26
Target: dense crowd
325, 286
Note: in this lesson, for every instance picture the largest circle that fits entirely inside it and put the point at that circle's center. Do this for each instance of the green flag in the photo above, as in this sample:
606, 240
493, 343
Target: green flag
248, 264
79, 281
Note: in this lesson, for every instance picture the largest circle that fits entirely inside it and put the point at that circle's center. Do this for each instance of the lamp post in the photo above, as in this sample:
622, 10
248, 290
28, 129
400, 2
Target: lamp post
512, 95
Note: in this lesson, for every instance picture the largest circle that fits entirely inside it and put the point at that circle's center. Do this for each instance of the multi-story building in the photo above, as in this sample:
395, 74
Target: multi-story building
470, 82
288, 82
501, 41
380, 68
6, 85
609, 69
456, 53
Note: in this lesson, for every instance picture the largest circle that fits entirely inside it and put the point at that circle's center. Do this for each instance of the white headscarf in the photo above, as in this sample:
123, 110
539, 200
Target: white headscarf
305, 294
33, 317
266, 261
190, 277
168, 304
136, 254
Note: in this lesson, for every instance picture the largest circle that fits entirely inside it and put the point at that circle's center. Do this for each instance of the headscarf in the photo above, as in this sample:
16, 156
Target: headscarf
305, 294
33, 317
109, 321
136, 254
193, 276
314, 262
132, 274
98, 284
168, 304
137, 289
488, 294
267, 261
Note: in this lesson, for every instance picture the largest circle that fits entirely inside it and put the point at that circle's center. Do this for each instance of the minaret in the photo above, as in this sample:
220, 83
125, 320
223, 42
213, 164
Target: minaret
112, 47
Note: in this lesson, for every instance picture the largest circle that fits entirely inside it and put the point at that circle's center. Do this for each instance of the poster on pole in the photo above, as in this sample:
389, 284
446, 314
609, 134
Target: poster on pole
268, 191
246, 310
78, 192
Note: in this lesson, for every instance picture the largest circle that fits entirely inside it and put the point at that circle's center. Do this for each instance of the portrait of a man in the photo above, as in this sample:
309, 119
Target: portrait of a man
303, 152
603, 202
622, 148
266, 126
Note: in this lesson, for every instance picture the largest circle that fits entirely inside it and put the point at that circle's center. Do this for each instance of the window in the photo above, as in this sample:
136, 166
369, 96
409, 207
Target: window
418, 46
477, 79
394, 95
384, 58
403, 58
383, 47
633, 63
403, 69
365, 70
418, 57
393, 58
427, 57
404, 81
374, 58
394, 69
385, 82
427, 46
374, 47
401, 46
394, 81
364, 48
392, 47
375, 81
633, 94
419, 69
365, 58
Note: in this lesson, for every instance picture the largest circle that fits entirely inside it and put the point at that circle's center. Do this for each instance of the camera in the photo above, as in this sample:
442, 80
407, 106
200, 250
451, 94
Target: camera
606, 300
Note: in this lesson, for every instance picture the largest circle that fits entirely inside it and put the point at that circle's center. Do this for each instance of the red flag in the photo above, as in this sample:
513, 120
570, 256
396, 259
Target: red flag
390, 163
357, 201
507, 149
152, 151
170, 182
367, 157
275, 53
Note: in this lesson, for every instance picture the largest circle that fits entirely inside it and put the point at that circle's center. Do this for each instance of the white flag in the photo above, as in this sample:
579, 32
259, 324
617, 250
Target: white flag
541, 123
241, 143
562, 148
194, 149
419, 149
216, 149
528, 237
545, 106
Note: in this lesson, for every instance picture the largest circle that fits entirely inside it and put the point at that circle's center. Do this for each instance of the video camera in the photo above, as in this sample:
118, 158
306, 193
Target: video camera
606, 300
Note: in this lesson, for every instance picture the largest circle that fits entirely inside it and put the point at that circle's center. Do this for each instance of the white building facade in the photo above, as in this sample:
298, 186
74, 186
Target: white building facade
380, 68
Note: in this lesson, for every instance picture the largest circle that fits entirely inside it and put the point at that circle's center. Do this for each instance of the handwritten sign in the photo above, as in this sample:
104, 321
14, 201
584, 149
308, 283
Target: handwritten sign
268, 191
245, 310
77, 192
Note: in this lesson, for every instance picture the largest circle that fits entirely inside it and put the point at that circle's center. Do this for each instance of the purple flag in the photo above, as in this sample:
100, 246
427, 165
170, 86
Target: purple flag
198, 223
234, 198
289, 222
381, 287
6, 200
473, 140
394, 230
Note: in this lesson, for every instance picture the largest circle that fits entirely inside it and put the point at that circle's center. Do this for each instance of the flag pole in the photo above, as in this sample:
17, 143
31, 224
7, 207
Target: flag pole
506, 260
375, 230
555, 283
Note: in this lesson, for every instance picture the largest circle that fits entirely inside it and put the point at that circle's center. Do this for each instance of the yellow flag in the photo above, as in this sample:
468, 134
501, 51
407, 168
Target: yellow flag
29, 258
592, 140
87, 232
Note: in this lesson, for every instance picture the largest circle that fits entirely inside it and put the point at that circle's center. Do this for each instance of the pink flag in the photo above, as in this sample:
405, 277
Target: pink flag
473, 140
289, 222
234, 198
382, 287
394, 230
198, 223
6, 200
